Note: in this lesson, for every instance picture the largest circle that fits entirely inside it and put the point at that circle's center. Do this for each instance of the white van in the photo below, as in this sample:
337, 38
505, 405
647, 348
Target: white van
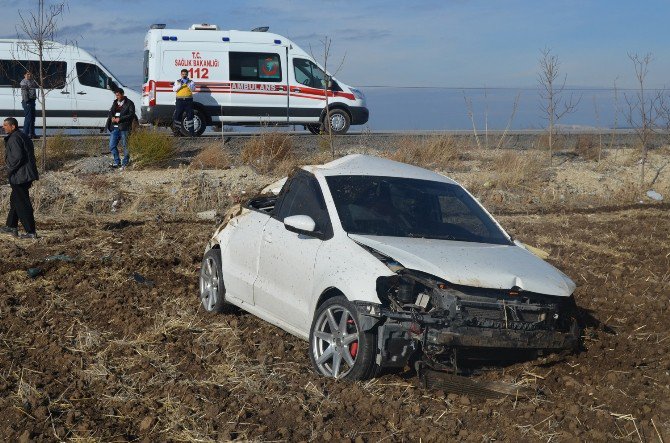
242, 78
79, 86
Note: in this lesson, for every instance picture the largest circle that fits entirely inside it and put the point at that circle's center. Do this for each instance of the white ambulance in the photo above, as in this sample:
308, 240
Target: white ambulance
242, 78
79, 86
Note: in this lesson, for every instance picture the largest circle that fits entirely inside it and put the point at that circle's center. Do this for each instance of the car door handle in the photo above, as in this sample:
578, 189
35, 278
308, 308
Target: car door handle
296, 90
65, 92
81, 93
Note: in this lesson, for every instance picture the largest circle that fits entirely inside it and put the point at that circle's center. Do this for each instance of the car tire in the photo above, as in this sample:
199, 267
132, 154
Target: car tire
212, 290
199, 123
348, 354
339, 121
314, 128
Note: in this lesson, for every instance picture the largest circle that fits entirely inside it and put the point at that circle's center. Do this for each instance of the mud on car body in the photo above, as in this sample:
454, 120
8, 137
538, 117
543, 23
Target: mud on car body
381, 264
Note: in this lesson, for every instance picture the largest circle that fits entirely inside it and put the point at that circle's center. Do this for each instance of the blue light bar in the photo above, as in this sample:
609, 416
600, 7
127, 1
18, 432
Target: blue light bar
277, 42
226, 39
166, 38
173, 39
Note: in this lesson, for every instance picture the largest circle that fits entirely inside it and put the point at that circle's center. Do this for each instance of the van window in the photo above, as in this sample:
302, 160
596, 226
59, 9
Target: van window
254, 66
309, 74
11, 73
145, 65
91, 75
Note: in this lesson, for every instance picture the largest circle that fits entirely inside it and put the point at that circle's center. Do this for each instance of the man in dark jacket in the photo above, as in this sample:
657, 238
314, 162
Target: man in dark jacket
119, 123
22, 172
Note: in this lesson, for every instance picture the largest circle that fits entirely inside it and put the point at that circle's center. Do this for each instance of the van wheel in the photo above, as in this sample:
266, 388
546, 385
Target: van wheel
199, 123
339, 121
176, 130
314, 128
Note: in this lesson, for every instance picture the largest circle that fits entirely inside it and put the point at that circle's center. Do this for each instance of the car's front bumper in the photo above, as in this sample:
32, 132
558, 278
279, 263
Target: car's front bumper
493, 338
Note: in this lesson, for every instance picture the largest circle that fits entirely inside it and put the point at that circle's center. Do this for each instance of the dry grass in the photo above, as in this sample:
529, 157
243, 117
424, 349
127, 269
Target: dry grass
587, 147
558, 141
60, 150
150, 148
437, 152
269, 152
518, 170
213, 156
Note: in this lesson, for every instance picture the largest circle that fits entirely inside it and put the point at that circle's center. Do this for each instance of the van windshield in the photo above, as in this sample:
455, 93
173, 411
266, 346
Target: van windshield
111, 74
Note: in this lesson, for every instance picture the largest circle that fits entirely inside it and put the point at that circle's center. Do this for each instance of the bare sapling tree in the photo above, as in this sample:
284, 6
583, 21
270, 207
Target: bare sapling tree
326, 42
664, 124
555, 105
39, 27
515, 106
471, 116
617, 110
643, 108
596, 109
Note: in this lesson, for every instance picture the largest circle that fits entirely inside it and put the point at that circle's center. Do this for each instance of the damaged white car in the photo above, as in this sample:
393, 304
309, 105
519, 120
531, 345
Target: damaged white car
381, 264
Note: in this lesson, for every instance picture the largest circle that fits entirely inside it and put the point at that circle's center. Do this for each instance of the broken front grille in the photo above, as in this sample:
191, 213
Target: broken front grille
503, 314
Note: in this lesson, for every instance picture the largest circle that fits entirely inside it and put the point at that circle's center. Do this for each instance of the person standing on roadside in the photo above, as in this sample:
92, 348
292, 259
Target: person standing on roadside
28, 98
184, 88
119, 123
21, 172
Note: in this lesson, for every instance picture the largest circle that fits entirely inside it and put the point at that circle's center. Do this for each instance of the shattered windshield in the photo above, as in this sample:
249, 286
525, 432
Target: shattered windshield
407, 207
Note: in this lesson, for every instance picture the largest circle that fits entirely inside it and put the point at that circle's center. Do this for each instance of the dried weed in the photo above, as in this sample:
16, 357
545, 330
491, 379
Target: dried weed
268, 152
213, 156
518, 171
437, 152
150, 148
587, 147
60, 150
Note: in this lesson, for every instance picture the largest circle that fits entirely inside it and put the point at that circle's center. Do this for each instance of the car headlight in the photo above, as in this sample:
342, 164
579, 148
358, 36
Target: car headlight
358, 94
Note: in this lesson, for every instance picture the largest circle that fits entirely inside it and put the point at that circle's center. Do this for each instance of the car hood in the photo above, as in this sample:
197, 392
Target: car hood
480, 265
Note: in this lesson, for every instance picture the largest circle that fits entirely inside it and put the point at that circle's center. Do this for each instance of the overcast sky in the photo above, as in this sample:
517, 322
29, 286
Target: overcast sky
452, 43
422, 43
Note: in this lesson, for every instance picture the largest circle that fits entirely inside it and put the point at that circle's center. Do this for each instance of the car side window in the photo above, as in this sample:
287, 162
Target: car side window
304, 197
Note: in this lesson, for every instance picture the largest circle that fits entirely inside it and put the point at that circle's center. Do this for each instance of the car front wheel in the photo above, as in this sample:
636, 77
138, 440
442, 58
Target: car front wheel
338, 346
212, 291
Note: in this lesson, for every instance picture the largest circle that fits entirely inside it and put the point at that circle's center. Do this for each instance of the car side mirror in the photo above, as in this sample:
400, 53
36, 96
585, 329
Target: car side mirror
111, 84
301, 224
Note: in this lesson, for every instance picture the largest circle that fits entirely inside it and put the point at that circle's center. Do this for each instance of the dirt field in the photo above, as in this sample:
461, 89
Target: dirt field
109, 343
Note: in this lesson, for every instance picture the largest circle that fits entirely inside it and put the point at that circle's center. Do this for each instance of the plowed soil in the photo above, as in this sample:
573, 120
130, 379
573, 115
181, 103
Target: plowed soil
109, 343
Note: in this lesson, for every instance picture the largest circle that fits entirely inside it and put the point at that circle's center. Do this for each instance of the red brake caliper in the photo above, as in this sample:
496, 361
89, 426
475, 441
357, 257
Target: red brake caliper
353, 347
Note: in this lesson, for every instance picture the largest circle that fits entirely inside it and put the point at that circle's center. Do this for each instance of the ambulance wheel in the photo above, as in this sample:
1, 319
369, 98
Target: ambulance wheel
199, 124
314, 128
339, 121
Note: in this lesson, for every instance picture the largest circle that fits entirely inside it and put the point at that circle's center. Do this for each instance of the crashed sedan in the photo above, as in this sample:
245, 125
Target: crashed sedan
381, 264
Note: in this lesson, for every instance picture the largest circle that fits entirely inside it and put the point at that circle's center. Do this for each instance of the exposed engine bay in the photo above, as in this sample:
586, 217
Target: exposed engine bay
447, 325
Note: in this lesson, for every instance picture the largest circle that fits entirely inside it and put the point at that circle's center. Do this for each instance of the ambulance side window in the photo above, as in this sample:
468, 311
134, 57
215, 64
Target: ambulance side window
254, 67
308, 74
